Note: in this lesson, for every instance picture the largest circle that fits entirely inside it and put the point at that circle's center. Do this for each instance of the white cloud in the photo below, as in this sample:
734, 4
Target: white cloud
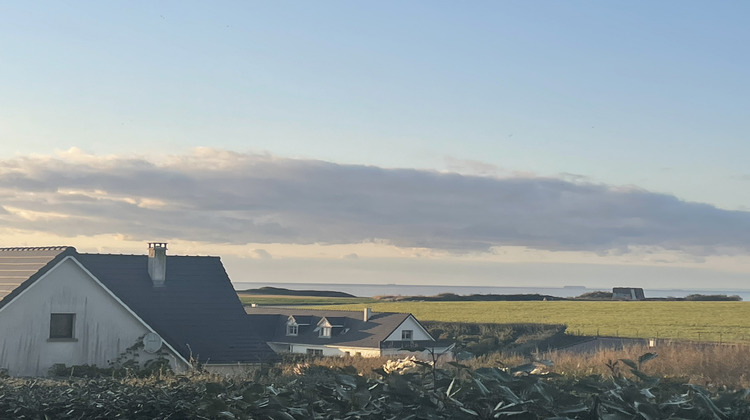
228, 197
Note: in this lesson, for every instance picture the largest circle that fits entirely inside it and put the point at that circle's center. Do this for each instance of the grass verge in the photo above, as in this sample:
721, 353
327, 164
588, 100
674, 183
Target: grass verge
699, 321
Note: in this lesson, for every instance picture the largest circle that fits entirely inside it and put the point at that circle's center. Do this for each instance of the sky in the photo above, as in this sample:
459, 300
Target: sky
504, 143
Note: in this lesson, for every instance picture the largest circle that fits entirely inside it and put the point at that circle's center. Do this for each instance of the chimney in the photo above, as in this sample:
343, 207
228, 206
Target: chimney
367, 314
157, 262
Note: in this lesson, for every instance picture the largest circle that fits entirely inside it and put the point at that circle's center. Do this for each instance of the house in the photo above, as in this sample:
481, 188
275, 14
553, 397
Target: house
345, 333
61, 306
628, 293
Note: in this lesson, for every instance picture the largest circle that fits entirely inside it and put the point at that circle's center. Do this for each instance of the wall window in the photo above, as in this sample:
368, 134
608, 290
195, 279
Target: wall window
325, 331
314, 352
292, 329
407, 334
61, 325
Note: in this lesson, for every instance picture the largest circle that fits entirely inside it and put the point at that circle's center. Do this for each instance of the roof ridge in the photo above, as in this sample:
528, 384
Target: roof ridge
37, 248
113, 254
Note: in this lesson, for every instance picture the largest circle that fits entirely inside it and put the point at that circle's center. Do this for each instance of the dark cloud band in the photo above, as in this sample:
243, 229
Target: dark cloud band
227, 197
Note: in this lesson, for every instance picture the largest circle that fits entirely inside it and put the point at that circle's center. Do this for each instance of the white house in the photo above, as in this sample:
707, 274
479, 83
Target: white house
58, 306
345, 333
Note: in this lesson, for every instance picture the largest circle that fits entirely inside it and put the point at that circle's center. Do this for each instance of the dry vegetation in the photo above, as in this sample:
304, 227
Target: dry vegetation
708, 365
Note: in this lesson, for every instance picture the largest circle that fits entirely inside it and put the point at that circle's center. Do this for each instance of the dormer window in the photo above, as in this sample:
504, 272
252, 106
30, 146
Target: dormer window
326, 325
296, 322
325, 332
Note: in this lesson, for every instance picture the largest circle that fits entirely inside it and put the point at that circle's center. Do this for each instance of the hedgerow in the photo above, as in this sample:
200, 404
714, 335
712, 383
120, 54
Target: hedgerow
404, 390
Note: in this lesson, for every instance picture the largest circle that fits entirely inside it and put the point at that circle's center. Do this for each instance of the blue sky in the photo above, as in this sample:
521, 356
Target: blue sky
627, 121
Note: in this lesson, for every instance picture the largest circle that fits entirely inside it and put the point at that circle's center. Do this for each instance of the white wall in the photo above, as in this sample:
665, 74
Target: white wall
418, 333
441, 354
353, 351
103, 327
327, 350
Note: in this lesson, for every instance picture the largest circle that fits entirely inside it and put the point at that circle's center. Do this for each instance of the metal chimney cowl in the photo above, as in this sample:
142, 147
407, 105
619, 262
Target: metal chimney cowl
157, 262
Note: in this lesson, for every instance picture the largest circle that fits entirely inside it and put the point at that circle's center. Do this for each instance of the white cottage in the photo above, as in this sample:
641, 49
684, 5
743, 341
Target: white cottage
345, 333
58, 306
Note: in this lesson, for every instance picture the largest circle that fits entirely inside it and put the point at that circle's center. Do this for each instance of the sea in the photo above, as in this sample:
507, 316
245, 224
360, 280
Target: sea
369, 290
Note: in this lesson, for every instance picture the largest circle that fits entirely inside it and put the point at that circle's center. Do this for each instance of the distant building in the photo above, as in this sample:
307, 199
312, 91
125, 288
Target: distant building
628, 293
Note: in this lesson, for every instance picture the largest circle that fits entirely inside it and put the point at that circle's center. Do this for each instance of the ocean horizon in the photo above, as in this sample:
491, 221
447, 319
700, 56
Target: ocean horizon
370, 290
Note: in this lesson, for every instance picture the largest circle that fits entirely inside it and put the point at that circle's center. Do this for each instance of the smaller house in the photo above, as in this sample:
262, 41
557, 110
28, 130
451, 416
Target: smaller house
628, 293
345, 333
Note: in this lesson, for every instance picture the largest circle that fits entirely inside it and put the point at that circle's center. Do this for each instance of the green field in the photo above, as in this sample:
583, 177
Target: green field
704, 321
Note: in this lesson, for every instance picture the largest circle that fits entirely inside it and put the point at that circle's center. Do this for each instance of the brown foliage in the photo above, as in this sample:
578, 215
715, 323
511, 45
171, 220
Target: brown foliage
724, 365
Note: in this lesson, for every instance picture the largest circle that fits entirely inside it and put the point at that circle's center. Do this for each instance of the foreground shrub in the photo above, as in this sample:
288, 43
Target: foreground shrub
412, 390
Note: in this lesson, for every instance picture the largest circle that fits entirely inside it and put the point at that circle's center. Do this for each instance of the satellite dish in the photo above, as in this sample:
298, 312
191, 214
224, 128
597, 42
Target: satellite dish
151, 342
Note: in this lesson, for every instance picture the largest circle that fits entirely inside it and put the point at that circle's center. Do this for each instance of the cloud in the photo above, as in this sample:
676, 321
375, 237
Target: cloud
474, 167
228, 197
262, 254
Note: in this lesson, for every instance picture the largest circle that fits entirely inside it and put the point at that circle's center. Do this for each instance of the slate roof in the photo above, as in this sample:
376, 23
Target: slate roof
197, 312
337, 321
304, 320
358, 333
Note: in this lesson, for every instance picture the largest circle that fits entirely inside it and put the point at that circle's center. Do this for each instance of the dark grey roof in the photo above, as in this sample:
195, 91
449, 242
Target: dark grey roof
197, 312
358, 333
303, 319
20, 267
337, 321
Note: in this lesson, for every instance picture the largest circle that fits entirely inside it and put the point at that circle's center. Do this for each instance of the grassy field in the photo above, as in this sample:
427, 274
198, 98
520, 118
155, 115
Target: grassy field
704, 321
248, 299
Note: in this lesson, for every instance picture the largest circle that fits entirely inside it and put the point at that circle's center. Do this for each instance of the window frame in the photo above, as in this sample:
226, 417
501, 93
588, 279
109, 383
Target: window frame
407, 335
62, 321
325, 332
292, 330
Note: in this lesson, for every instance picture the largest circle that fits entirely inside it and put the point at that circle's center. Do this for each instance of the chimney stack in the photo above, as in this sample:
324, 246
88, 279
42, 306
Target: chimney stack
367, 314
157, 262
